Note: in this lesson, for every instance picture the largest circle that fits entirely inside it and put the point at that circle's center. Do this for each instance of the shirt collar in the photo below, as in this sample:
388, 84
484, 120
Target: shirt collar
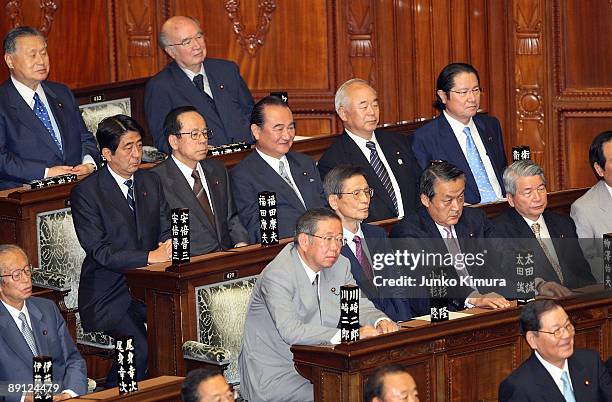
15, 313
349, 236
456, 125
360, 140
272, 161
554, 371
191, 74
186, 170
442, 230
539, 221
120, 180
311, 274
26, 92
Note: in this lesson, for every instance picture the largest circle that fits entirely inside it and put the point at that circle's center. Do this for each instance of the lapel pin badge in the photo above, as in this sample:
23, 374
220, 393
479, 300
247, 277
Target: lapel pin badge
144, 193
333, 290
221, 86
400, 161
587, 383
60, 105
305, 173
217, 182
44, 332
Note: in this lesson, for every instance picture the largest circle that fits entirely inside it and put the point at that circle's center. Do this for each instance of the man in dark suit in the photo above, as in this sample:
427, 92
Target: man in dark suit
42, 133
445, 225
459, 136
271, 167
213, 86
386, 158
199, 184
32, 326
559, 262
349, 195
122, 221
555, 372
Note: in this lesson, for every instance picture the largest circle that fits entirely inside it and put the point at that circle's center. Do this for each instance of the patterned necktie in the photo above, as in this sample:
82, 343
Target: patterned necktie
568, 394
202, 197
487, 194
28, 334
555, 264
130, 194
283, 173
362, 258
453, 248
43, 115
381, 172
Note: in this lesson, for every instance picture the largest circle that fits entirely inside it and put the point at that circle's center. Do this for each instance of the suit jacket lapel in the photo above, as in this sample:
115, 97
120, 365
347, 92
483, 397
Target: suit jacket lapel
39, 327
548, 389
23, 113
216, 197
302, 179
308, 295
486, 140
451, 145
57, 108
116, 199
604, 200
357, 158
13, 336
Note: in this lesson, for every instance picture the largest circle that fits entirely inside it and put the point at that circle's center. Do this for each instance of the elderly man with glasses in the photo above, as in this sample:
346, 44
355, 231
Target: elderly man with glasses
296, 300
213, 86
199, 184
33, 326
555, 371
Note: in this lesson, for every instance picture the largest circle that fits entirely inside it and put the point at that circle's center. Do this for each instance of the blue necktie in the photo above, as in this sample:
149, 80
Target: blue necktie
487, 194
381, 172
43, 115
130, 194
568, 394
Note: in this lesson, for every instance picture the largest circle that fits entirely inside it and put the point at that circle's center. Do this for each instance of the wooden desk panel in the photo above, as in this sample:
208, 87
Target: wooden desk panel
164, 388
460, 360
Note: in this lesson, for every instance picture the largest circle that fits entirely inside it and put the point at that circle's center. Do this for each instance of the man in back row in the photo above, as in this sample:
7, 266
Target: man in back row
42, 133
213, 86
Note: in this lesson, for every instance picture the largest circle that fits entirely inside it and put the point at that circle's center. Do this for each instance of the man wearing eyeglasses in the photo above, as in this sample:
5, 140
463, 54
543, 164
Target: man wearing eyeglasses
458, 135
206, 385
555, 372
213, 86
559, 262
199, 184
271, 166
349, 196
33, 326
296, 300
386, 158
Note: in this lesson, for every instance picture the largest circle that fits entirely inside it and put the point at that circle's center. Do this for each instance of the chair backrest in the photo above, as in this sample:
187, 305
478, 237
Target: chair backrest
221, 310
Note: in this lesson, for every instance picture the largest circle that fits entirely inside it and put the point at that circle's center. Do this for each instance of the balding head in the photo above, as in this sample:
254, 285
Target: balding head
182, 39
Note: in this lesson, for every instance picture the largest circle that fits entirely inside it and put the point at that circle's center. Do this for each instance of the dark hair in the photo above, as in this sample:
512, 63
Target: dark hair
10, 40
335, 178
172, 124
374, 385
111, 129
446, 80
438, 171
257, 115
7, 248
596, 153
189, 389
309, 221
532, 313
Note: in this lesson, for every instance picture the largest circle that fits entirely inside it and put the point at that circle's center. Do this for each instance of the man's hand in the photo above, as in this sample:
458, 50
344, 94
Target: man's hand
386, 326
367, 331
84, 169
59, 170
489, 300
553, 289
241, 244
61, 397
161, 253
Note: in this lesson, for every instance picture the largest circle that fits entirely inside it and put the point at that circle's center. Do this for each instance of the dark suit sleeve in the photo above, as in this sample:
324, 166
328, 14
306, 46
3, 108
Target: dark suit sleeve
89, 223
325, 164
419, 148
237, 231
246, 201
510, 392
319, 184
244, 94
157, 103
13, 167
75, 377
164, 213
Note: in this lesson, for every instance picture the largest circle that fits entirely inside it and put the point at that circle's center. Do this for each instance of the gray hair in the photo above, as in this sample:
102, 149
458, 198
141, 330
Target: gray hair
524, 168
309, 221
341, 99
162, 37
10, 40
4, 249
335, 178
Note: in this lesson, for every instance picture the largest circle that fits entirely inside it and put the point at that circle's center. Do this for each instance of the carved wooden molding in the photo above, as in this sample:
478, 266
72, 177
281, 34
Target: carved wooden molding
13, 11
360, 29
251, 42
139, 29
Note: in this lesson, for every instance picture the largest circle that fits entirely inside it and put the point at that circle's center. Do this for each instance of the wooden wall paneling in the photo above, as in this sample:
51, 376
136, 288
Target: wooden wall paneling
528, 87
443, 35
477, 43
404, 52
458, 23
423, 57
388, 80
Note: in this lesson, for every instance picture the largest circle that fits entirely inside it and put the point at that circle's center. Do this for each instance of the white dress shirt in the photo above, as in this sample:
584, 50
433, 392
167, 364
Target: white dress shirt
187, 171
191, 75
28, 96
274, 164
555, 372
544, 236
349, 236
457, 128
361, 143
121, 182
609, 188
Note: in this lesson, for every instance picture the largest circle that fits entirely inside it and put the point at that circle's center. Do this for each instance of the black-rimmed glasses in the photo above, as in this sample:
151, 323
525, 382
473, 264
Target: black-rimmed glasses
196, 134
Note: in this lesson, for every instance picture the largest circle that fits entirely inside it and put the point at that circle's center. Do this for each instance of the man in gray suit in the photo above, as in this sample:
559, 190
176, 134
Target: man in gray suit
296, 300
199, 184
592, 212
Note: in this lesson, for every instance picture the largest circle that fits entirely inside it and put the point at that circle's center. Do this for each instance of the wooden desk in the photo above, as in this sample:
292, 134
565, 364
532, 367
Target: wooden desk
459, 360
164, 388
